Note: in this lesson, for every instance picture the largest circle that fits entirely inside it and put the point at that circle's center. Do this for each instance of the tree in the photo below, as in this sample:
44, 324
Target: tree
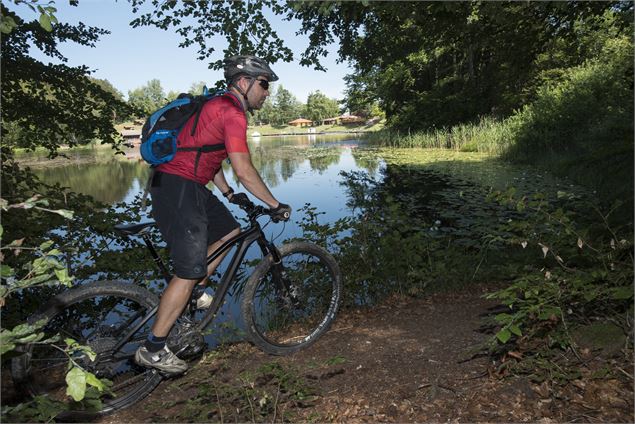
147, 98
266, 114
441, 63
319, 107
243, 24
51, 104
286, 105
197, 88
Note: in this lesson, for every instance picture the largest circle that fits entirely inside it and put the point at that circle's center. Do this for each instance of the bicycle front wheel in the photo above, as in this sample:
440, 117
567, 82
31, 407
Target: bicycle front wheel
288, 306
96, 315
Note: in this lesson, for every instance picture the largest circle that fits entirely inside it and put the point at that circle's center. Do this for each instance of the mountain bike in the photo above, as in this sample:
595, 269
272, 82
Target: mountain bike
288, 301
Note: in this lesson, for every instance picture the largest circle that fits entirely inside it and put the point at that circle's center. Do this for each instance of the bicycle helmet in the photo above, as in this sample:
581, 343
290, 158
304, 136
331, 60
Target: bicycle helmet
247, 65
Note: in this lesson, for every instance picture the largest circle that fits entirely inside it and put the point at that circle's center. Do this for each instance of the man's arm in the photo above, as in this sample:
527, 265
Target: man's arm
220, 182
250, 178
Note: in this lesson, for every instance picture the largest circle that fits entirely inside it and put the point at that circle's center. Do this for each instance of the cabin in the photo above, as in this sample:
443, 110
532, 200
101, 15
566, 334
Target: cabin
351, 119
300, 122
131, 137
331, 121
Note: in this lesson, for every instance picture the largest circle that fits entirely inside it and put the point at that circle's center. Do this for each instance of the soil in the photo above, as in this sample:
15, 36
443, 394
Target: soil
407, 360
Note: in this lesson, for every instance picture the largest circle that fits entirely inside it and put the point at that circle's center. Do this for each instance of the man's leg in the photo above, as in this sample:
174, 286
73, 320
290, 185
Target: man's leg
205, 300
173, 301
155, 353
212, 248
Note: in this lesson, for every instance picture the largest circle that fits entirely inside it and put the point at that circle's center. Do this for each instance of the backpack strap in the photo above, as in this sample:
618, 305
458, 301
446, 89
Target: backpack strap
206, 148
199, 109
144, 198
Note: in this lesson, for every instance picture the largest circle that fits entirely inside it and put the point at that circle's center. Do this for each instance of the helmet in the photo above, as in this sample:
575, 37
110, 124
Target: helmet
247, 65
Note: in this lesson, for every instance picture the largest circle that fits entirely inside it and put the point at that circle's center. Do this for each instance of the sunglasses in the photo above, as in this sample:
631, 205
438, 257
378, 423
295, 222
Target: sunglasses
263, 83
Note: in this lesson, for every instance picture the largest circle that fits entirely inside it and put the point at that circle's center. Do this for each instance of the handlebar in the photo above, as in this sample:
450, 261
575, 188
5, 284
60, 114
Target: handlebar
254, 211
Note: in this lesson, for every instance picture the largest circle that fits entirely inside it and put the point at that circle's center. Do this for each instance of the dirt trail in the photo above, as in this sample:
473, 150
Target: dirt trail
405, 361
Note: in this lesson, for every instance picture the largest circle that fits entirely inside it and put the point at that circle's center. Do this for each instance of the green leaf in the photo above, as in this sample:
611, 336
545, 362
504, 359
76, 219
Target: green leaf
63, 277
622, 293
46, 245
515, 329
6, 346
6, 271
503, 318
503, 335
1, 231
76, 381
94, 381
65, 213
45, 22
6, 26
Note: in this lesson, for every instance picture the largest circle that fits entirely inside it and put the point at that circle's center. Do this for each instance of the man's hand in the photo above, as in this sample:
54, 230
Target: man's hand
281, 213
240, 199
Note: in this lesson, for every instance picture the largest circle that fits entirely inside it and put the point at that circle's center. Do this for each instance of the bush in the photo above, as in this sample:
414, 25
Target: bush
582, 126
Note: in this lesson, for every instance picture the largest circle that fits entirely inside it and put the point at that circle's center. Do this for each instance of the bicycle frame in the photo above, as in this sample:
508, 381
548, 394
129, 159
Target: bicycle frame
242, 241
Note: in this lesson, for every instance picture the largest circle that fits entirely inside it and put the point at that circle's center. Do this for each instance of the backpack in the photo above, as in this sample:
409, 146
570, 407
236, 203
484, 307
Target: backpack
159, 136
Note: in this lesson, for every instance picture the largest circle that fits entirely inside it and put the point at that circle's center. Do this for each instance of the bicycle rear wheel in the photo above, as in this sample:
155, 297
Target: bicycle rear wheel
288, 306
96, 315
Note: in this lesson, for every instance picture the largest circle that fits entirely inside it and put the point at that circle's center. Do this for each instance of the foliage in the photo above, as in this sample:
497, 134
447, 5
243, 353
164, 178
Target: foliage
319, 107
585, 276
243, 24
197, 88
147, 98
444, 63
87, 245
51, 104
583, 125
414, 230
45, 269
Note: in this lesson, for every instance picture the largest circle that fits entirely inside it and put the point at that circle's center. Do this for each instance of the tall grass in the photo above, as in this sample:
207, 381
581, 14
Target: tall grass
488, 135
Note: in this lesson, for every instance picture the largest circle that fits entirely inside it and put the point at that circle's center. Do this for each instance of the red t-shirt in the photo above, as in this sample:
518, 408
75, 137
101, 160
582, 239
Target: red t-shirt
222, 120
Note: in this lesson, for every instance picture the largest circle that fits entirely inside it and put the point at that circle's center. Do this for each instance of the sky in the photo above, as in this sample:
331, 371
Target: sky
130, 57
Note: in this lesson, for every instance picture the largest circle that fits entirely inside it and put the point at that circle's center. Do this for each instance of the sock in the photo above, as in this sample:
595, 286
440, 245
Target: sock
198, 291
154, 343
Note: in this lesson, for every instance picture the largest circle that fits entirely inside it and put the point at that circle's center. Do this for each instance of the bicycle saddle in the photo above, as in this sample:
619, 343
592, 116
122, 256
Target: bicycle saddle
134, 229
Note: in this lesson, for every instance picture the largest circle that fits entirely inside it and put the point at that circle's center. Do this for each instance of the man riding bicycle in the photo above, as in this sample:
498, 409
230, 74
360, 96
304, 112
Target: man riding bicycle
192, 221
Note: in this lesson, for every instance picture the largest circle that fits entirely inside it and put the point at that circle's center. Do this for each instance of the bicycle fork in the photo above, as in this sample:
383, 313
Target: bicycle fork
287, 291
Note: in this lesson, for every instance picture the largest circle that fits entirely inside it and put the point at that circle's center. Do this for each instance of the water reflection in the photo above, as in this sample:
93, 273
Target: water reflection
290, 165
109, 182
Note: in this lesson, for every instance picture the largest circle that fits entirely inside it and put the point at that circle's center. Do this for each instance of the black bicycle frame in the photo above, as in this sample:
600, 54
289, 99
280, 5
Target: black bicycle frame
242, 241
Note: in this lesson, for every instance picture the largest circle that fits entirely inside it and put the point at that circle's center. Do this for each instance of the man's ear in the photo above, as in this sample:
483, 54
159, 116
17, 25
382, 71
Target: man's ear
242, 83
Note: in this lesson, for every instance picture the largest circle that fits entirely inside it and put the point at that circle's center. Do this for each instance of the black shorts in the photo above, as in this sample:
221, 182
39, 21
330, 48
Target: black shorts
190, 218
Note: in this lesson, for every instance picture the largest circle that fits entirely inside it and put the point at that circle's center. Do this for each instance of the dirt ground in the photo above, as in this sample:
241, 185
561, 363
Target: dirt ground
409, 360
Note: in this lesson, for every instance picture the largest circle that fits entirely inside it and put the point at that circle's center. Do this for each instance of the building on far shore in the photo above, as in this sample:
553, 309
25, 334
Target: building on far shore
350, 119
131, 136
331, 121
300, 122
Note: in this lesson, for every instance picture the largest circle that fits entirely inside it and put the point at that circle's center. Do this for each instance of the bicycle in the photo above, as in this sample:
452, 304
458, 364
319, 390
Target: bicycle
289, 300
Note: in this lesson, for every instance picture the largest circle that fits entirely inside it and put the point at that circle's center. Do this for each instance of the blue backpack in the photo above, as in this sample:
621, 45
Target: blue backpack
159, 136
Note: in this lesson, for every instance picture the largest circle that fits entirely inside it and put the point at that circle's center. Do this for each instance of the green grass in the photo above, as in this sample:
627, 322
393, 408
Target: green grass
487, 136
